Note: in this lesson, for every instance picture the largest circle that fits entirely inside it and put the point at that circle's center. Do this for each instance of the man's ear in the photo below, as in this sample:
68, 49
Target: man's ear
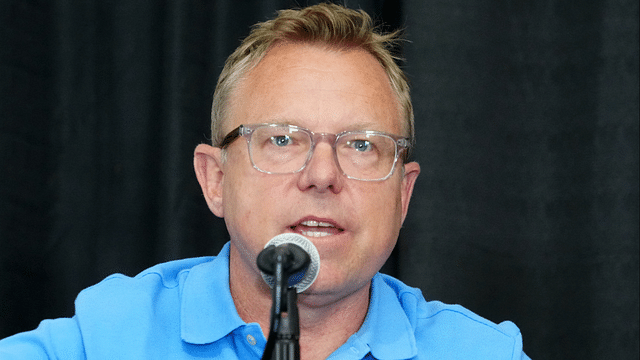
411, 172
207, 162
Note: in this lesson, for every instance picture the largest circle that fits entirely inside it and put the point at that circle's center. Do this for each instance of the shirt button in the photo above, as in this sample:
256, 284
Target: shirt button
251, 340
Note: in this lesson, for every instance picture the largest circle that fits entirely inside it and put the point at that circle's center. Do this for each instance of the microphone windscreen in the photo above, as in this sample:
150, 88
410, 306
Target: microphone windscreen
314, 266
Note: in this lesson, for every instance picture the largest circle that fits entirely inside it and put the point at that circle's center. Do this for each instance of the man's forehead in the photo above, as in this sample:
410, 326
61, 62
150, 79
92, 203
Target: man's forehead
291, 70
316, 57
309, 66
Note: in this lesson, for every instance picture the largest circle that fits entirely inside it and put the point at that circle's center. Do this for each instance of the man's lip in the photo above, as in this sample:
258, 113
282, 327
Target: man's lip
311, 224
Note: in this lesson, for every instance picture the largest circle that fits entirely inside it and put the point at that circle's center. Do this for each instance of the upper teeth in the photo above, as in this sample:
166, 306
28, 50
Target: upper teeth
314, 223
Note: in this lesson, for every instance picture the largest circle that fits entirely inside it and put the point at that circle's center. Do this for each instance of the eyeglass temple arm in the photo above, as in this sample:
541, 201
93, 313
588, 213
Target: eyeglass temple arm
231, 137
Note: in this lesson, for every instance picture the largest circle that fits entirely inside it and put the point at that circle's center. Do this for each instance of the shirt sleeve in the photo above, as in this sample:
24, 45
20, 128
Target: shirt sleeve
518, 353
53, 339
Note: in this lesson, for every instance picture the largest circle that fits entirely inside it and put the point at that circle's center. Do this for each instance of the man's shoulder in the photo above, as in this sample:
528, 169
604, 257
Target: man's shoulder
456, 319
165, 275
120, 296
441, 328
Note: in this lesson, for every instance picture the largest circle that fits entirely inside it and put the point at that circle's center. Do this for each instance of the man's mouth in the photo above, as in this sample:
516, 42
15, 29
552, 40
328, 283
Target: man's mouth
314, 228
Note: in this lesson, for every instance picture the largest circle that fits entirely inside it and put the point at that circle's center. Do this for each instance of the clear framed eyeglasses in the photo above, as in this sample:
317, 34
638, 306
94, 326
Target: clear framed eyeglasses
286, 149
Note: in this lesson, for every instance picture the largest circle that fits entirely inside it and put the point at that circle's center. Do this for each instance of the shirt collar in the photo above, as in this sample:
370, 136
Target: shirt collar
387, 330
206, 300
208, 312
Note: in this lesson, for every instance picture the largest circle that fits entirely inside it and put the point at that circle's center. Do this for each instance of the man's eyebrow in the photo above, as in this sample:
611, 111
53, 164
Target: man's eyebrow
283, 122
361, 126
364, 125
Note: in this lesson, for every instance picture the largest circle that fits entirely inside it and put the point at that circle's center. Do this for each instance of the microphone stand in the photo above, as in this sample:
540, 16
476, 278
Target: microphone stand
282, 262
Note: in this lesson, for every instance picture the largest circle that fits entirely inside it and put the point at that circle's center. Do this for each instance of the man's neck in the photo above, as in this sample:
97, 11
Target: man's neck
323, 328
326, 328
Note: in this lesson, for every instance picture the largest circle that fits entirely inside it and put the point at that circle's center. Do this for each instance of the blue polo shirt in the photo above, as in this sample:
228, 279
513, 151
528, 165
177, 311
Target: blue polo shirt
183, 310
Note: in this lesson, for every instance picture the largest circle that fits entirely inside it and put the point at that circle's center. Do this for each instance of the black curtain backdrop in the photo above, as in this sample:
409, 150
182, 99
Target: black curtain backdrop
527, 125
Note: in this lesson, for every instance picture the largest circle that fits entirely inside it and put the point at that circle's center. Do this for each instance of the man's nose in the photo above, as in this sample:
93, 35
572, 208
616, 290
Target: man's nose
322, 172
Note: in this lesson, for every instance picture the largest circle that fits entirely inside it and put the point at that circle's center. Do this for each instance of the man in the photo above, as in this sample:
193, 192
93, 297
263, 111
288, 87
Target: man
312, 123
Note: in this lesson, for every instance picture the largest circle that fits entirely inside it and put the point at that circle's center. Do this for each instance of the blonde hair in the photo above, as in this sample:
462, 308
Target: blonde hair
328, 24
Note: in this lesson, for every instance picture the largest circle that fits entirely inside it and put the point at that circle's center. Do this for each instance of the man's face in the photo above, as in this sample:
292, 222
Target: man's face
354, 224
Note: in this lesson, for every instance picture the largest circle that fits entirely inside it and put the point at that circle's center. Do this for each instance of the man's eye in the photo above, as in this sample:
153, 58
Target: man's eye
282, 140
360, 145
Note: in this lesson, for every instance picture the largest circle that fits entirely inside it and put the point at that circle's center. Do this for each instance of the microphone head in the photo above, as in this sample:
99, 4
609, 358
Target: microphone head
314, 266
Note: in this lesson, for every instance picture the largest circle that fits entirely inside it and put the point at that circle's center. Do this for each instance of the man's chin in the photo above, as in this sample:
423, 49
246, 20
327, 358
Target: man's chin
326, 291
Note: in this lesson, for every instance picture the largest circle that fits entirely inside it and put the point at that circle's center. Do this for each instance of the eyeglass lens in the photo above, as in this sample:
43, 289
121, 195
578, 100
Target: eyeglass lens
284, 149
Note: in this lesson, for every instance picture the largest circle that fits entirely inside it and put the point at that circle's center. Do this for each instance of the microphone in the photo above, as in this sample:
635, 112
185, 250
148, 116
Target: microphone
289, 264
299, 249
